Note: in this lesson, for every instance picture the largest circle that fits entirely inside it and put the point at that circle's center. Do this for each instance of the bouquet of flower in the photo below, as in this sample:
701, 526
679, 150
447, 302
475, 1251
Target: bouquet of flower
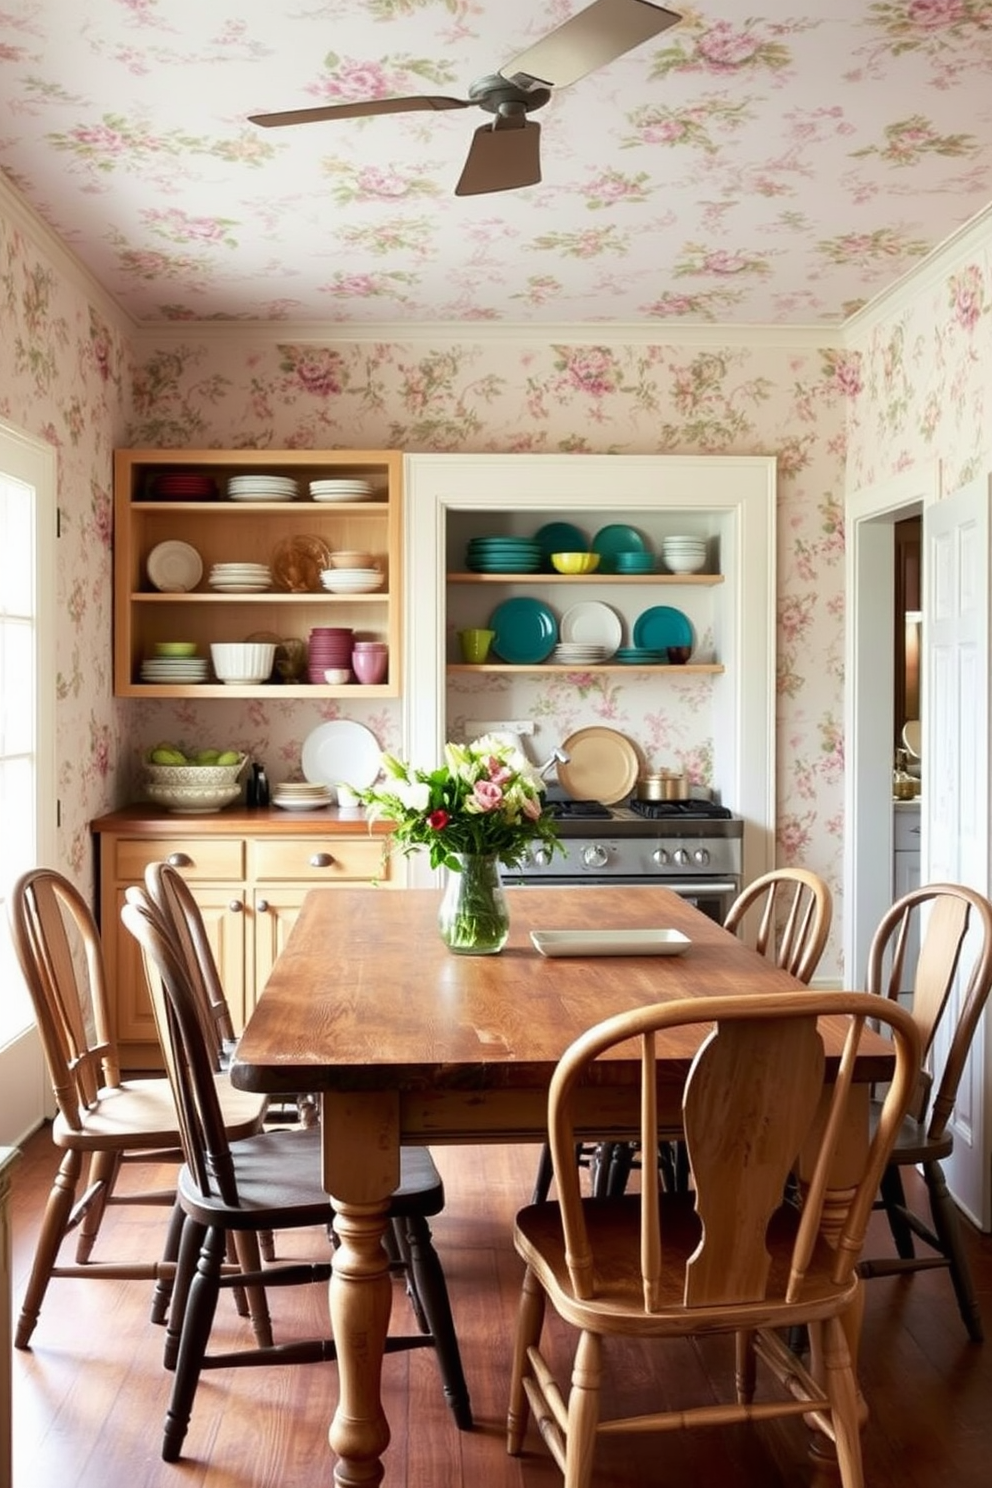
486, 800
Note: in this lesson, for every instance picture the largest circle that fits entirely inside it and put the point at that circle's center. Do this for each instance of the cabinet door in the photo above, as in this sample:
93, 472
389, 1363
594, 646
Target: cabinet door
906, 876
275, 911
224, 918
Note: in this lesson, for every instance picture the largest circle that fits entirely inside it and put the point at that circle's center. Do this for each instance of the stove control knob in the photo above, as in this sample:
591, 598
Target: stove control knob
594, 856
541, 857
681, 857
701, 857
660, 856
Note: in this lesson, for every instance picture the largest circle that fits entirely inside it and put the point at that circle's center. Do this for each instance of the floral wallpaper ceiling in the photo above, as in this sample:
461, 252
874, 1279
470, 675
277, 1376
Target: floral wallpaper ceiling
760, 163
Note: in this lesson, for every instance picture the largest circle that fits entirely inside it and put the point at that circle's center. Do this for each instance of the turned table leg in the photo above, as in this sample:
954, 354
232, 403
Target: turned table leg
361, 1170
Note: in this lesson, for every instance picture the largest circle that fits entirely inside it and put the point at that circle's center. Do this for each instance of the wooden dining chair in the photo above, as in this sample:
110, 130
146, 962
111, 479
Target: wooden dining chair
785, 915
271, 1181
733, 1257
101, 1118
952, 926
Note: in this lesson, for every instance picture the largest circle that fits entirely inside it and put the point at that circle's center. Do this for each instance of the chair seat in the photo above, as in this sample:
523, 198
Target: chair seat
912, 1144
278, 1174
141, 1115
614, 1236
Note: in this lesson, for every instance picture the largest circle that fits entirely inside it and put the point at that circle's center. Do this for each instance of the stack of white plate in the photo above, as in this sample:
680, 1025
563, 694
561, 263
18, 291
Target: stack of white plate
240, 578
352, 580
262, 488
292, 796
684, 554
166, 669
341, 490
576, 654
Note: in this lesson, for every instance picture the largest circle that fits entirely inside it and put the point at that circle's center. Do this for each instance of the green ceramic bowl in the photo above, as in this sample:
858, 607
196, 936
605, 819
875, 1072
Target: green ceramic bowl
175, 648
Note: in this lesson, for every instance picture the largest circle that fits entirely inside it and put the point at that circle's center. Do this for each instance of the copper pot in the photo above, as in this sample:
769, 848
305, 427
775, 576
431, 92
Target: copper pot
664, 785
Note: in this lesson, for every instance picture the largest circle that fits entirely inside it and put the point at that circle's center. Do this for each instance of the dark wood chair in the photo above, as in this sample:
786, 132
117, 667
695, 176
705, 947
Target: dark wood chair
952, 925
101, 1118
733, 1257
784, 915
270, 1182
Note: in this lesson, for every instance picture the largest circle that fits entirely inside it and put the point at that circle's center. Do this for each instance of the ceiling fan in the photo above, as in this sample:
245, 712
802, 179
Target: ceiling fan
506, 153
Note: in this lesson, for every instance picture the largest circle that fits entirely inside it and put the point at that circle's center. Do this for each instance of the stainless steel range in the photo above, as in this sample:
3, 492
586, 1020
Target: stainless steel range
693, 847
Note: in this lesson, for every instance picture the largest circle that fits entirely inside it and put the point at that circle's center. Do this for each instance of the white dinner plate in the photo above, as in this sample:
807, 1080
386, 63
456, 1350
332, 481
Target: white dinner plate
610, 942
341, 752
591, 624
174, 567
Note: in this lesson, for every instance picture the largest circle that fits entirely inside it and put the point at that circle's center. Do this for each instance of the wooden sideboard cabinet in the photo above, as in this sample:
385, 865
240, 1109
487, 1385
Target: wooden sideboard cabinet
249, 871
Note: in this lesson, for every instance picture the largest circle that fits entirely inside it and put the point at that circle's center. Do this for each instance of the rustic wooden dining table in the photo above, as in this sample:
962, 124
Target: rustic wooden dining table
407, 1043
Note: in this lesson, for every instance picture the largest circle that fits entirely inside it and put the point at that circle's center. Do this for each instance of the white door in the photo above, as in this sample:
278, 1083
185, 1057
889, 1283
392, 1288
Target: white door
27, 750
956, 759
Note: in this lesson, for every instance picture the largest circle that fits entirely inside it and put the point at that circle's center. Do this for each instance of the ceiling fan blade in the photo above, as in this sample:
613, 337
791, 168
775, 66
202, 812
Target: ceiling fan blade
592, 38
503, 155
364, 109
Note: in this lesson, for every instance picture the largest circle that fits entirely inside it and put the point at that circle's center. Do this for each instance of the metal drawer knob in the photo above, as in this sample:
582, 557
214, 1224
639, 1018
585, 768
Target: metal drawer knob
235, 906
262, 906
179, 860
321, 860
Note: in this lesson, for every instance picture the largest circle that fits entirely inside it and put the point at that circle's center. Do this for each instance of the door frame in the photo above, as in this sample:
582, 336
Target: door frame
871, 515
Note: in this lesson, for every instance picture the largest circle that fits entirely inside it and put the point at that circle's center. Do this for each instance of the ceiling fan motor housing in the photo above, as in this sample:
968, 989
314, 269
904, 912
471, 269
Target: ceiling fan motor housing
499, 95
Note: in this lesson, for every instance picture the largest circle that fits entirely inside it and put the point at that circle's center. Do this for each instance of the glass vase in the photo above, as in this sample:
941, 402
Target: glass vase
473, 918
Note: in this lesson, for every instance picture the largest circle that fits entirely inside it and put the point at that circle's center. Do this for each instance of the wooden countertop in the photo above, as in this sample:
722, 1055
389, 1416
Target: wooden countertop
241, 821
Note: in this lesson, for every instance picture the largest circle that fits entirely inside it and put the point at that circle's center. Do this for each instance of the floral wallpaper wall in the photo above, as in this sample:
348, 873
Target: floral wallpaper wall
920, 379
518, 396
64, 378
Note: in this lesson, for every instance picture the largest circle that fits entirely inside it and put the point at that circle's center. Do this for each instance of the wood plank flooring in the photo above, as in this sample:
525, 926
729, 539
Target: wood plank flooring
90, 1395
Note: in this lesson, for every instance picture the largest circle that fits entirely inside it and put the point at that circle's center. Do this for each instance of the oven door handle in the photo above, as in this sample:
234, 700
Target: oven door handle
690, 887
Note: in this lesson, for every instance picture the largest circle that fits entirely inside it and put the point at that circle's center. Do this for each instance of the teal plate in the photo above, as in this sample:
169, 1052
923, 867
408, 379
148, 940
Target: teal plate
661, 627
609, 541
561, 537
526, 631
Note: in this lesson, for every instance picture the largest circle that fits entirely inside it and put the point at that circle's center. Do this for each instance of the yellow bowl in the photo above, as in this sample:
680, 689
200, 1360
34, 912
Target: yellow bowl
575, 563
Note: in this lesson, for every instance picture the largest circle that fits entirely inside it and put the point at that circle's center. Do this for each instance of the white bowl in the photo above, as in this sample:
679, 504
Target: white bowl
193, 800
352, 580
243, 661
337, 676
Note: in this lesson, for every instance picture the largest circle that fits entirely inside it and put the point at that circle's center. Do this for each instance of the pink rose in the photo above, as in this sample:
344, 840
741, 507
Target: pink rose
488, 796
726, 48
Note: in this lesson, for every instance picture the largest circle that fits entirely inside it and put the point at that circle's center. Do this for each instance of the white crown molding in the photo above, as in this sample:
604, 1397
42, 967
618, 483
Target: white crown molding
15, 210
975, 236
510, 333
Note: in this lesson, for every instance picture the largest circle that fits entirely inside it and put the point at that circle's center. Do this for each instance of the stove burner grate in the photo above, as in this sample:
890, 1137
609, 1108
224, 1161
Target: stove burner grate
686, 810
577, 809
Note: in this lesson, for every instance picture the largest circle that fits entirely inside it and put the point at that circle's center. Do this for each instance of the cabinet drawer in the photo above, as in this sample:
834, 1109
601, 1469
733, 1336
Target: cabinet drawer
317, 860
906, 829
195, 857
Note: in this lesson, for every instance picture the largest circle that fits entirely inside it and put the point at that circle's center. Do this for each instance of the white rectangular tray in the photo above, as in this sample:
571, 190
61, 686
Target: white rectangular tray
610, 942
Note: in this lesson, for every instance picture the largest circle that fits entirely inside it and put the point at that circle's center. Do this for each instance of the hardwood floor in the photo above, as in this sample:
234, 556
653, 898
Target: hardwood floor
90, 1395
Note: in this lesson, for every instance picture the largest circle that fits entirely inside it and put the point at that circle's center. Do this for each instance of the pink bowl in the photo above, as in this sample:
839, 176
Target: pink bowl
370, 666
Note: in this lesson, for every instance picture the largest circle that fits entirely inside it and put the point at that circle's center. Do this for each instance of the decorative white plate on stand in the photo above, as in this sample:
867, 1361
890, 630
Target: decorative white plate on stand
341, 751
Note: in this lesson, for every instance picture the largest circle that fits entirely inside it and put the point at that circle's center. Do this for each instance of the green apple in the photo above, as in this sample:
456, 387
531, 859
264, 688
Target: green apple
208, 757
229, 757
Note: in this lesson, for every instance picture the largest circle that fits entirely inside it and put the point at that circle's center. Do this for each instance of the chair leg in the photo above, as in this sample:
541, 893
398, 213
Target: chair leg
841, 1387
53, 1228
530, 1320
190, 1243
162, 1295
894, 1203
246, 1249
947, 1227
198, 1317
545, 1172
427, 1276
583, 1411
103, 1170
